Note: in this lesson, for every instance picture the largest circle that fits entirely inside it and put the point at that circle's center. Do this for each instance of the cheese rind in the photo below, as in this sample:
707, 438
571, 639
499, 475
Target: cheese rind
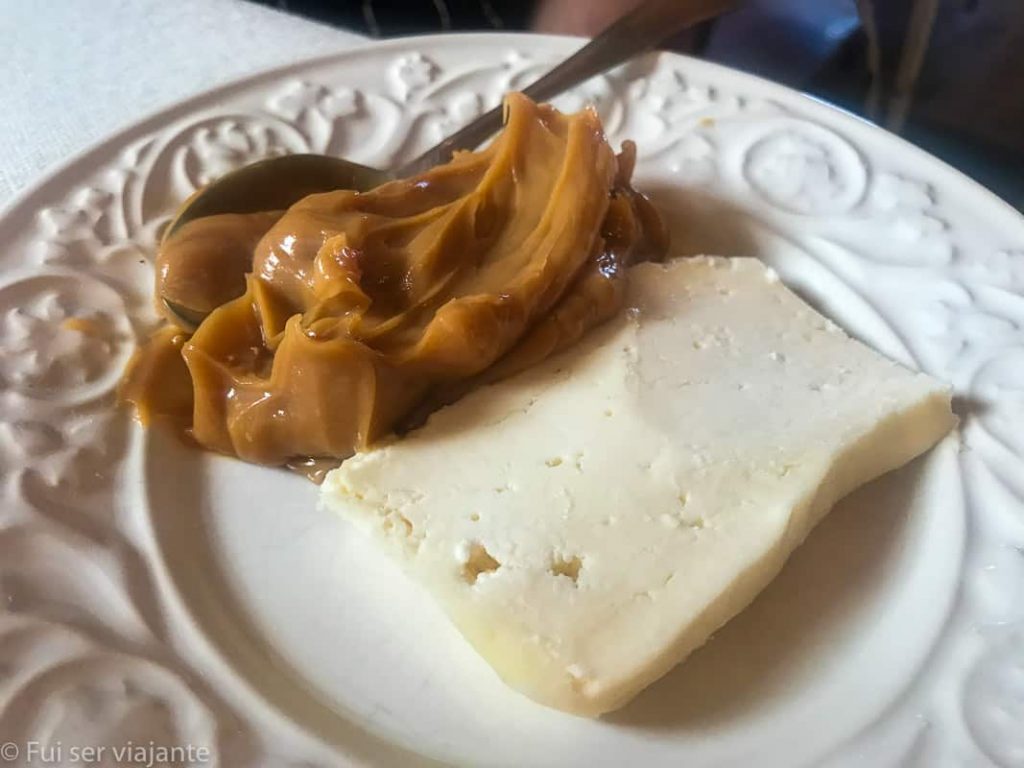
590, 522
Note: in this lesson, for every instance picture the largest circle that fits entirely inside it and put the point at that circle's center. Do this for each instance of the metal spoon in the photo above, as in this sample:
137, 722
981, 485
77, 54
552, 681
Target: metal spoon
278, 182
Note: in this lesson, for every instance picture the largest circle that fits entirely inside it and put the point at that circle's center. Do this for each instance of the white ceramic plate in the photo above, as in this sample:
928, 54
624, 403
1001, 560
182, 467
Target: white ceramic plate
152, 593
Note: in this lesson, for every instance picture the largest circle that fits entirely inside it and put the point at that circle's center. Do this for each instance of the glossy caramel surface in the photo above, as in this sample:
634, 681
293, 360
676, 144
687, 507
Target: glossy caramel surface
353, 314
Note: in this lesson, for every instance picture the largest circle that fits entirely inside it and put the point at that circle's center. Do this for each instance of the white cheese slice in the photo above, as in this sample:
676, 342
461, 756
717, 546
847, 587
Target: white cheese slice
592, 521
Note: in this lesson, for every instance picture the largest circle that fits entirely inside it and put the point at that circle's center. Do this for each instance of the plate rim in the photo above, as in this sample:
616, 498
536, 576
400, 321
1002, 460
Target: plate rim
150, 120
25, 204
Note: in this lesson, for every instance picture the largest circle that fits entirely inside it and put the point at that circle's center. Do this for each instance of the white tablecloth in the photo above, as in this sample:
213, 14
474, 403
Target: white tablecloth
73, 71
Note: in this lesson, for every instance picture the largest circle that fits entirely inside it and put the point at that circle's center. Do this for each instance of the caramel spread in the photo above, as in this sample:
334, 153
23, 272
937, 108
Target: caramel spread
351, 314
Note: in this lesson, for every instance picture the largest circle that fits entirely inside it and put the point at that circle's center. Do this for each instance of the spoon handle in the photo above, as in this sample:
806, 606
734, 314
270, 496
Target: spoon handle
639, 30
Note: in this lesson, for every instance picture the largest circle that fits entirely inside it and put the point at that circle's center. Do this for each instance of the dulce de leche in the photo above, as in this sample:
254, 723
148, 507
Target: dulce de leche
351, 314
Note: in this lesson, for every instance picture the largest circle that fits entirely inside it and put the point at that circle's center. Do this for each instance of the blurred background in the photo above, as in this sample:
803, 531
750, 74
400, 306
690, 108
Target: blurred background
946, 74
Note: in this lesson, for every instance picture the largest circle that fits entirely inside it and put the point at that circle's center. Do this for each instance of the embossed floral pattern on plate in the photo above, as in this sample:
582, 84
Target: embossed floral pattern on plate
97, 644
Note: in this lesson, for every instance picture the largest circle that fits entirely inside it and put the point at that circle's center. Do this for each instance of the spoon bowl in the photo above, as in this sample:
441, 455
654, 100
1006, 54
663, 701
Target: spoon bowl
275, 184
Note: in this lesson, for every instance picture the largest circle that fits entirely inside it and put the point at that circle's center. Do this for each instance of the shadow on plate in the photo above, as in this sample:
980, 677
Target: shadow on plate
821, 594
700, 223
